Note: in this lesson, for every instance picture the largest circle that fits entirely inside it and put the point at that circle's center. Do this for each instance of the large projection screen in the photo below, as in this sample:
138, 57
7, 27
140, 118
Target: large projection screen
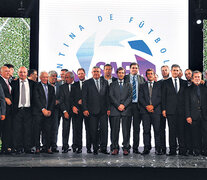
85, 33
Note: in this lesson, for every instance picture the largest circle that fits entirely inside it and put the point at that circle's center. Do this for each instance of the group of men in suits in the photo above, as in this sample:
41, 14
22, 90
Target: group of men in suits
30, 111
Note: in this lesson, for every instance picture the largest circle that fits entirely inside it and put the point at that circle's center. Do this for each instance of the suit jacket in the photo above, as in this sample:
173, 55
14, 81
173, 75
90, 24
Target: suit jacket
66, 98
93, 101
113, 78
144, 98
40, 98
76, 94
193, 103
2, 102
5, 88
172, 101
16, 93
118, 97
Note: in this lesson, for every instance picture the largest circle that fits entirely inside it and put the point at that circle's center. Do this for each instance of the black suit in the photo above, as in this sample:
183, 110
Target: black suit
149, 118
174, 104
196, 108
136, 116
120, 95
97, 103
2, 107
78, 118
22, 119
6, 125
66, 105
43, 123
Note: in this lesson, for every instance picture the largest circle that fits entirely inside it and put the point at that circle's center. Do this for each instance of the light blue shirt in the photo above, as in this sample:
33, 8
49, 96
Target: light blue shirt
131, 81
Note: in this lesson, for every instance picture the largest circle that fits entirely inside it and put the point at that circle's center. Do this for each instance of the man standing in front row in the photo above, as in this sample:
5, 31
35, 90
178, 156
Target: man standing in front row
22, 95
135, 80
150, 107
196, 114
43, 108
96, 107
173, 109
120, 93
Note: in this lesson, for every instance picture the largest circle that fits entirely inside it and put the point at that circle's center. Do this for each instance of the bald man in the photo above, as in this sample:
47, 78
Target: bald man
22, 95
6, 124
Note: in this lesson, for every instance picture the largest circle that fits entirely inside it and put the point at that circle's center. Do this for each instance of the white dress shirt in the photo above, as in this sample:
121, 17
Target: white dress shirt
27, 91
178, 83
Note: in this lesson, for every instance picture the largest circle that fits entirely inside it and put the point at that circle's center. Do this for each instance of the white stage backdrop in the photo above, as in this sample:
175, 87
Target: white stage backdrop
84, 33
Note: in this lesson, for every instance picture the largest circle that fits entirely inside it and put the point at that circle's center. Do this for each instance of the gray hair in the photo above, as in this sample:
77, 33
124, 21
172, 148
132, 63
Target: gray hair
50, 73
71, 74
43, 72
196, 71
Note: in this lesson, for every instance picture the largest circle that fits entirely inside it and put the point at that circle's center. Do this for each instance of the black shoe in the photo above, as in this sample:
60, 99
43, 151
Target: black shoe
172, 153
190, 152
136, 151
196, 153
204, 153
19, 152
104, 152
79, 151
55, 150
95, 152
89, 151
43, 150
158, 152
65, 150
29, 152
145, 152
183, 153
74, 150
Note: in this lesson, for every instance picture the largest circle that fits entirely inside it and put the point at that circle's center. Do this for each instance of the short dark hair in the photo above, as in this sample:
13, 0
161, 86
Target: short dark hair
107, 65
31, 71
94, 67
134, 63
120, 69
81, 69
188, 70
64, 70
150, 69
9, 65
175, 65
195, 72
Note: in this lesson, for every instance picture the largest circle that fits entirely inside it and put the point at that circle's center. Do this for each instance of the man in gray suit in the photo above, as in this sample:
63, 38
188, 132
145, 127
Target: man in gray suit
135, 80
120, 93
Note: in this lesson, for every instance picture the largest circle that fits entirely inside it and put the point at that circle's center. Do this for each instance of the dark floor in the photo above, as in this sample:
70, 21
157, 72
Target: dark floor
71, 159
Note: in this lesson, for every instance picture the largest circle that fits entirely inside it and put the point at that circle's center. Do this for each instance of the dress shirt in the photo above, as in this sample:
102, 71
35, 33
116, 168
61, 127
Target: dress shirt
27, 91
178, 83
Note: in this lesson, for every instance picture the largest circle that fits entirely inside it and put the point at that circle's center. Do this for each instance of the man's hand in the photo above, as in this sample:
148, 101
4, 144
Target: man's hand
8, 101
108, 113
80, 101
49, 113
75, 110
45, 112
202, 82
3, 117
66, 115
57, 102
164, 113
121, 107
86, 113
189, 120
150, 108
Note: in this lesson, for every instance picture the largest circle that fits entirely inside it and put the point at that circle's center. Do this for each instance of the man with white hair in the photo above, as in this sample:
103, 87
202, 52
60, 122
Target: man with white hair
43, 108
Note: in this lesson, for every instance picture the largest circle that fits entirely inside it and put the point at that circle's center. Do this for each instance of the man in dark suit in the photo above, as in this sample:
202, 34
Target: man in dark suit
95, 96
56, 114
196, 114
135, 80
165, 70
11, 72
188, 76
62, 75
150, 108
2, 108
173, 109
32, 74
120, 93
6, 124
44, 99
66, 109
22, 95
78, 113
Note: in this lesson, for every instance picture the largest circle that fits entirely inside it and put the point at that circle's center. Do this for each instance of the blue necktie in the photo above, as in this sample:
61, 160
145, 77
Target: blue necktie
176, 86
121, 86
46, 94
134, 89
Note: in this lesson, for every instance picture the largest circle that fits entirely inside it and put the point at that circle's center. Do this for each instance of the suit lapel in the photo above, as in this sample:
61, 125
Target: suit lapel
172, 85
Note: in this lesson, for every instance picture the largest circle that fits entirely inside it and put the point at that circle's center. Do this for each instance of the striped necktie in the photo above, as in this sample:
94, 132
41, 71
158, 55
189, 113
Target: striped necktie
134, 89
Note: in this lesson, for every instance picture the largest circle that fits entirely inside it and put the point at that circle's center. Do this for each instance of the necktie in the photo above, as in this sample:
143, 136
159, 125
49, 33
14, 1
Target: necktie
150, 92
198, 93
134, 88
46, 94
176, 86
7, 82
120, 85
97, 85
23, 94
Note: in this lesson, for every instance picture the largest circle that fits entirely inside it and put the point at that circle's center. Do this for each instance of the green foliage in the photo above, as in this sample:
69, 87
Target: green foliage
15, 42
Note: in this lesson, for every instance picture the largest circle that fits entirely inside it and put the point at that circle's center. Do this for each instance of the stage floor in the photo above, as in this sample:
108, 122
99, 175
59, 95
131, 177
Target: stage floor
71, 159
